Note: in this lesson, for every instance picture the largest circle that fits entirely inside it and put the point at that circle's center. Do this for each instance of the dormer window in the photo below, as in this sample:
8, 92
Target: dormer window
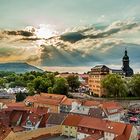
29, 123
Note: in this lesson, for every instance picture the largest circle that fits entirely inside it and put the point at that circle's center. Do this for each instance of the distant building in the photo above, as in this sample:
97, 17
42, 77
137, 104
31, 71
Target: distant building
95, 77
98, 72
126, 68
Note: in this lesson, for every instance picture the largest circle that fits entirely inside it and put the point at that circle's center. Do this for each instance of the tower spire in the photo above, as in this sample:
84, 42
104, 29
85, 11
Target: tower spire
126, 51
126, 68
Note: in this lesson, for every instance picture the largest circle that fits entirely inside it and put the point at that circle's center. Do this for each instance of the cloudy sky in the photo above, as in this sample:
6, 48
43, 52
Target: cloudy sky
70, 34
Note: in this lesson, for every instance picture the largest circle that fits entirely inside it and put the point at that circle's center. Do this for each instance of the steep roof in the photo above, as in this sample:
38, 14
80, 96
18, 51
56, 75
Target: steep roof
72, 120
97, 113
45, 98
104, 125
56, 118
126, 134
4, 131
68, 101
90, 103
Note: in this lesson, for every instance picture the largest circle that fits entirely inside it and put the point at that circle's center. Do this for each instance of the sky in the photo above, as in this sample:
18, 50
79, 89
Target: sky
70, 33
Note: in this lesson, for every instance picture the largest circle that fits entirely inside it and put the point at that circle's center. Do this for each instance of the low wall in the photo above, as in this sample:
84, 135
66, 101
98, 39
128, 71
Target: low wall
30, 135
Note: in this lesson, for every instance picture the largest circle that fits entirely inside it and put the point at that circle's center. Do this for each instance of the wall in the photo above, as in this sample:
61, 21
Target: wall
94, 83
27, 135
108, 136
69, 131
133, 135
81, 135
11, 136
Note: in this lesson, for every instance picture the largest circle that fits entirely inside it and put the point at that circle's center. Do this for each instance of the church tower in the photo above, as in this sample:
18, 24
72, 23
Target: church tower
126, 68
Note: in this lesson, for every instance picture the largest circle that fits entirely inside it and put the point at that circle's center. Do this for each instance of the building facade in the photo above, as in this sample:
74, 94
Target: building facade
98, 72
95, 77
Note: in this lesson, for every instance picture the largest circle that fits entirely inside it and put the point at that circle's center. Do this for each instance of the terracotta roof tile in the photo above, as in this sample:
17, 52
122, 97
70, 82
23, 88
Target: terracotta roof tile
45, 98
91, 103
72, 120
111, 105
68, 101
4, 131
104, 125
126, 134
17, 104
44, 120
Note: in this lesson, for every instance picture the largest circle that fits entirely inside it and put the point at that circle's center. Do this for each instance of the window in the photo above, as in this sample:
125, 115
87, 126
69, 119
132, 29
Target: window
29, 123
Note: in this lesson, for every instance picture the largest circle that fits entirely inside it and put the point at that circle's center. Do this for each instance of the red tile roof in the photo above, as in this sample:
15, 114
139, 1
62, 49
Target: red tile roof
104, 125
17, 104
90, 103
4, 131
15, 116
126, 134
44, 120
68, 101
34, 118
111, 105
45, 98
53, 96
72, 120
39, 110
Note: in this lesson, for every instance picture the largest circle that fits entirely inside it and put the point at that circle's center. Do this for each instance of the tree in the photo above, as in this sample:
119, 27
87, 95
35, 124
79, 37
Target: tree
2, 82
73, 82
20, 97
60, 86
114, 85
19, 83
135, 85
50, 90
31, 90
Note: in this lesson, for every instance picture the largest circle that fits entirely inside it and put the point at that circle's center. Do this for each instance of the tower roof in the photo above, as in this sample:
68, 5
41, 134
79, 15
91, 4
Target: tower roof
126, 57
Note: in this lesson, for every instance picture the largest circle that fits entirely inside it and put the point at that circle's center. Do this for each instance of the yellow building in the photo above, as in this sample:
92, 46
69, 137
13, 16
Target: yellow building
95, 77
70, 125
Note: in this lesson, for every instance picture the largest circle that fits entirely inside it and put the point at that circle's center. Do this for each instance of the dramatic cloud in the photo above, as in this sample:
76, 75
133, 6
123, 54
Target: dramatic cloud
82, 46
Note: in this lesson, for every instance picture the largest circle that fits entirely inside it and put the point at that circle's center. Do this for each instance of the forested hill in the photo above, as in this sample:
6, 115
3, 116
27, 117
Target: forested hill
18, 67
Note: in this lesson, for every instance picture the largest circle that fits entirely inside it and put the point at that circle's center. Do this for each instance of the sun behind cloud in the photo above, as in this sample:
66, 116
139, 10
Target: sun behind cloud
45, 31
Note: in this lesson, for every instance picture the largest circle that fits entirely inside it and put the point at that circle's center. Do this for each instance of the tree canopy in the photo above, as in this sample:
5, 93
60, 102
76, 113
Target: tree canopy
135, 85
73, 82
114, 85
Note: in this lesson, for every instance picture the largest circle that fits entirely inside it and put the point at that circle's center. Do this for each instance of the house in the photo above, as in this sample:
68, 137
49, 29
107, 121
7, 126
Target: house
67, 105
27, 118
84, 106
17, 90
113, 110
105, 130
97, 113
51, 101
70, 125
32, 122
34, 117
